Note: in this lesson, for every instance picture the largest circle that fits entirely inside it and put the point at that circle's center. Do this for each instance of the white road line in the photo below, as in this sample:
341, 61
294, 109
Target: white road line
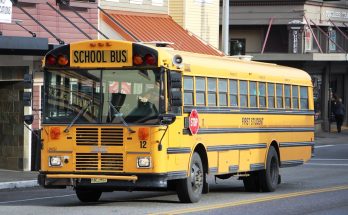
48, 197
322, 146
329, 159
326, 164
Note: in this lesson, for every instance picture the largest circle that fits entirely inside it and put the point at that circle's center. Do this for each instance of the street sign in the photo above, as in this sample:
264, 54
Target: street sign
5, 11
194, 122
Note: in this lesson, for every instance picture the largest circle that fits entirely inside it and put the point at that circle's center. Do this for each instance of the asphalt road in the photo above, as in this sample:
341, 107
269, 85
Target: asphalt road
318, 187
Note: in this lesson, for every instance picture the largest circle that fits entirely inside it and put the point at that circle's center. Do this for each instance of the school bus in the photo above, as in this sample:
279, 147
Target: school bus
119, 115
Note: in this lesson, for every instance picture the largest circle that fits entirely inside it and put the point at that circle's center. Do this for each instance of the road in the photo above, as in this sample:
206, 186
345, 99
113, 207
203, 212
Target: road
318, 187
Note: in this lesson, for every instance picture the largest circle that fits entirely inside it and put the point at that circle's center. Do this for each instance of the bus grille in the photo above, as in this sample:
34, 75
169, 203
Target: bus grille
87, 136
90, 162
99, 137
112, 136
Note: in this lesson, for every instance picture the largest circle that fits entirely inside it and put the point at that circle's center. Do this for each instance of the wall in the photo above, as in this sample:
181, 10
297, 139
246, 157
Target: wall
143, 6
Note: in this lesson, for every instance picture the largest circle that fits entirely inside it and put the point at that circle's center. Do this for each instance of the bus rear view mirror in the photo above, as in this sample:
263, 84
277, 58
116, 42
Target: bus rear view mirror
167, 119
176, 98
28, 119
175, 79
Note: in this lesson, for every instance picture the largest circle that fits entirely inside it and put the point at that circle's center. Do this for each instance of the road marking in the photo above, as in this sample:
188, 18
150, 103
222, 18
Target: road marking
40, 198
322, 146
251, 201
326, 164
329, 159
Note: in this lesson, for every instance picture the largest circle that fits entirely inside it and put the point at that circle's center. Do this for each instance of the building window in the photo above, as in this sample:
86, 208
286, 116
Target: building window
237, 47
200, 91
262, 94
212, 92
233, 93
243, 87
188, 90
270, 94
222, 92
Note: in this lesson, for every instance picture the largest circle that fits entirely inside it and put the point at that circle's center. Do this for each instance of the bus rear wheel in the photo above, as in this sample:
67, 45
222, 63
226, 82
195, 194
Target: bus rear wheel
190, 189
269, 177
86, 195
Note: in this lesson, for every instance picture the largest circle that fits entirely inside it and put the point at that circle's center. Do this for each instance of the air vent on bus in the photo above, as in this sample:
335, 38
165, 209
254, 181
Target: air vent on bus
112, 161
86, 161
107, 162
87, 136
112, 136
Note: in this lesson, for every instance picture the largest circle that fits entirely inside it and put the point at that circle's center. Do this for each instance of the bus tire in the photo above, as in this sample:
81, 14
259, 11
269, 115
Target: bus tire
252, 182
270, 176
85, 195
190, 189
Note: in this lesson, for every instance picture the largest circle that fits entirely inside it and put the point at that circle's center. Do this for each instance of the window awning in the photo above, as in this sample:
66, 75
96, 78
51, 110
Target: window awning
157, 27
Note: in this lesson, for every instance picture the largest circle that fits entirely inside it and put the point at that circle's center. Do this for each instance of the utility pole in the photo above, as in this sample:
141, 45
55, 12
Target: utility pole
225, 26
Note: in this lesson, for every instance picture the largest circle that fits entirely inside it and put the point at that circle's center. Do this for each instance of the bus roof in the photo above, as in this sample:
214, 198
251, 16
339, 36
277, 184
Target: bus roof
228, 67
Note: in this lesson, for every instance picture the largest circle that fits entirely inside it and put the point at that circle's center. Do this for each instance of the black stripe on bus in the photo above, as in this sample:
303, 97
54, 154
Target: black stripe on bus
291, 163
236, 147
178, 150
229, 110
248, 130
176, 175
295, 144
257, 166
213, 170
233, 168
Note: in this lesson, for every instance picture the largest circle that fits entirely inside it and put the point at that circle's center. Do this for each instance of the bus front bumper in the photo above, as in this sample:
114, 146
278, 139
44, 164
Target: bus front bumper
104, 182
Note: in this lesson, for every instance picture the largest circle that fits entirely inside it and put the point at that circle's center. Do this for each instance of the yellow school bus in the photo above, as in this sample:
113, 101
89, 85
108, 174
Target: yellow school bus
119, 115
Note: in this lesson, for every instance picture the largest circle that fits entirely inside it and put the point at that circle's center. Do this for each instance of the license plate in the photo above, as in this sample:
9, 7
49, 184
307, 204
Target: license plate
98, 180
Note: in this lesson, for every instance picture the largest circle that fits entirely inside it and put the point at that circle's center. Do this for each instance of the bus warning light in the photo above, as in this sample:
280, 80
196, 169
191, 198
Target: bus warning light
51, 60
150, 59
143, 133
55, 133
62, 60
137, 60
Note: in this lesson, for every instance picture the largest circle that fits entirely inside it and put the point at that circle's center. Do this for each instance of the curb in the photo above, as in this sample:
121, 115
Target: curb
18, 184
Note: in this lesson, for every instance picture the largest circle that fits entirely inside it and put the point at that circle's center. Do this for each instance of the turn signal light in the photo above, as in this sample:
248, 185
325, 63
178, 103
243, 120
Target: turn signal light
55, 133
143, 133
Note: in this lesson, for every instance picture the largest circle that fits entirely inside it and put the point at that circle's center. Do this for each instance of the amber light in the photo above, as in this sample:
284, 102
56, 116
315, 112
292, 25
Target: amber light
62, 60
137, 60
55, 133
101, 44
143, 133
150, 59
93, 44
51, 60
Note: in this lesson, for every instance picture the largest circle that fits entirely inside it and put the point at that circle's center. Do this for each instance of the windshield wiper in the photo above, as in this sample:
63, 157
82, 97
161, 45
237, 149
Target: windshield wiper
119, 115
80, 113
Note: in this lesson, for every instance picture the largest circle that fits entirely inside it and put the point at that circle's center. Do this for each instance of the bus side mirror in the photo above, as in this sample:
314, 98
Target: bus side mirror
27, 98
176, 98
28, 119
167, 119
175, 79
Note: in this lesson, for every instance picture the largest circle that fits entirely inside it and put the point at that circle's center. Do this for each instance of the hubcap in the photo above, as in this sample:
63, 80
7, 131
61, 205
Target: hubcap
196, 177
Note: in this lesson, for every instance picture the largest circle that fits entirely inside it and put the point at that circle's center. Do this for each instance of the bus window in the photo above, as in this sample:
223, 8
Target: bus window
222, 92
262, 94
304, 97
200, 91
295, 97
188, 90
270, 93
233, 93
252, 94
287, 96
243, 87
279, 95
212, 92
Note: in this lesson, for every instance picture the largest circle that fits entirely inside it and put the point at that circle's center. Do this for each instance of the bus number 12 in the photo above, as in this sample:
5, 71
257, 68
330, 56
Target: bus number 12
143, 144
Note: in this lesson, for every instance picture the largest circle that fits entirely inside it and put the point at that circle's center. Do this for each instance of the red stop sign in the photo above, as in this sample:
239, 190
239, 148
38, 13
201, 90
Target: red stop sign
194, 122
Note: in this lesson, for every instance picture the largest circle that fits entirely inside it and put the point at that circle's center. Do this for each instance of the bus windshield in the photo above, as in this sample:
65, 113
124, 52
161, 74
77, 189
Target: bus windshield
108, 96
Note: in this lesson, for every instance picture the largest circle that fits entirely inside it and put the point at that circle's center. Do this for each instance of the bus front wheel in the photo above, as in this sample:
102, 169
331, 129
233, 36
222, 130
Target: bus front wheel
190, 189
270, 176
85, 195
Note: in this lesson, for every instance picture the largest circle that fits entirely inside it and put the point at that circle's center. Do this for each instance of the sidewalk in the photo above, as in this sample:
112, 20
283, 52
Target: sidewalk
10, 179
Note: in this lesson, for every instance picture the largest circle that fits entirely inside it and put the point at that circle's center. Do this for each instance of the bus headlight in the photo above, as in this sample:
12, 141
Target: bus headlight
55, 161
143, 162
